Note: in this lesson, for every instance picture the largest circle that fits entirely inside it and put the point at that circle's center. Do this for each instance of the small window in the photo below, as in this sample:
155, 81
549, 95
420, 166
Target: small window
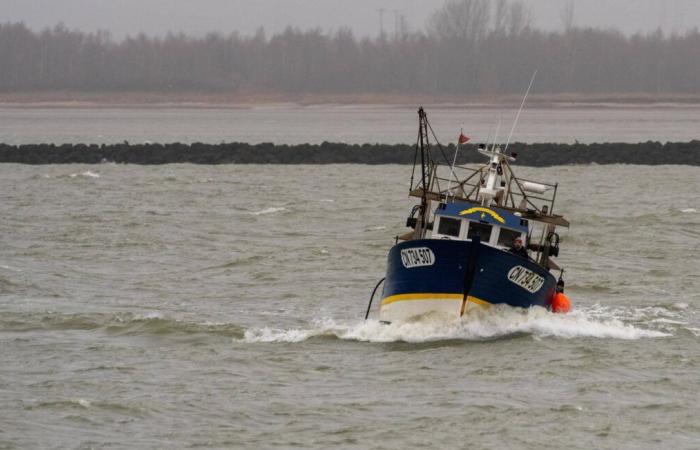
483, 230
449, 227
505, 239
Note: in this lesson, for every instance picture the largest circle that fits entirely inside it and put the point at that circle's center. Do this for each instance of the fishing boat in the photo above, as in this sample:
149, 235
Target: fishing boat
461, 252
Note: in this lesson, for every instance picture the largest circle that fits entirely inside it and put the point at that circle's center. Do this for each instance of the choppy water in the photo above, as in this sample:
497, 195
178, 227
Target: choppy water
355, 124
195, 306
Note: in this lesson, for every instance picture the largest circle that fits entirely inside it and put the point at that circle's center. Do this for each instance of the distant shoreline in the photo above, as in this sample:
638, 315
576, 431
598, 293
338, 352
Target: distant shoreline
540, 155
150, 99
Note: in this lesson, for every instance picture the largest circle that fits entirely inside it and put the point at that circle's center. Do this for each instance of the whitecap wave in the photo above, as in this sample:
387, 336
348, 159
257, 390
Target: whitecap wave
695, 331
278, 335
271, 210
151, 315
86, 174
490, 324
689, 210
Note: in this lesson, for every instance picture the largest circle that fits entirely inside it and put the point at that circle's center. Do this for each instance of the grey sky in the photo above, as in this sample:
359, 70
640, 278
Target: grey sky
197, 17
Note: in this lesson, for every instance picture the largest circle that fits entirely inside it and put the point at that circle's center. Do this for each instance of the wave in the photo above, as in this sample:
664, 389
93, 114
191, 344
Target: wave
86, 174
495, 323
241, 260
84, 404
271, 210
124, 324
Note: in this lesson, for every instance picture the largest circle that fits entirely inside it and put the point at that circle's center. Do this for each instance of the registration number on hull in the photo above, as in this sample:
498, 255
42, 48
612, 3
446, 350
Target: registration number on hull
417, 257
525, 278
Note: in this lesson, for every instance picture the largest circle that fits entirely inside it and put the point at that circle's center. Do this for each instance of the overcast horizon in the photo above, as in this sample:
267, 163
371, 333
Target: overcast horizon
130, 17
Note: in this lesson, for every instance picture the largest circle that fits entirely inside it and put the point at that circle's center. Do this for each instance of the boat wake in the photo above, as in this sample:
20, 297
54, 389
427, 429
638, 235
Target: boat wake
495, 323
498, 322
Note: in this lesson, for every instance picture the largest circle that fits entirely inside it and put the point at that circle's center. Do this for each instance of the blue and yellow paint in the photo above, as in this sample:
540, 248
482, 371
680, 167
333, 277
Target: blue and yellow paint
484, 211
440, 286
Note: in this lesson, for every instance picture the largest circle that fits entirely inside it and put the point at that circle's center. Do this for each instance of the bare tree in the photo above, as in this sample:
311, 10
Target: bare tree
494, 59
500, 18
465, 20
567, 15
518, 18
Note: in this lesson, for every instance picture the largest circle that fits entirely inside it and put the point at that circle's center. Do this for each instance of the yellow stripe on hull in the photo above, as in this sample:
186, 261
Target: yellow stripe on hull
409, 297
406, 306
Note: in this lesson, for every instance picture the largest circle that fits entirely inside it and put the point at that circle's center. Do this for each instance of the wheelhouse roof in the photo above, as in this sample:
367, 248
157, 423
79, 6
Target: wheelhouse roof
475, 212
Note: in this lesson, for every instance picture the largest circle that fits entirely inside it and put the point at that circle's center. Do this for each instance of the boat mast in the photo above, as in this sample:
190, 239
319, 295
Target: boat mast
423, 140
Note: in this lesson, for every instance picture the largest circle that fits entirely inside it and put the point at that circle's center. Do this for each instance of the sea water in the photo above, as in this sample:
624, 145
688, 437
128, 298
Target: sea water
354, 124
187, 306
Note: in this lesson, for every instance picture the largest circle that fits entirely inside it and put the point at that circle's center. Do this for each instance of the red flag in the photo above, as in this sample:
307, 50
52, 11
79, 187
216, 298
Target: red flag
463, 139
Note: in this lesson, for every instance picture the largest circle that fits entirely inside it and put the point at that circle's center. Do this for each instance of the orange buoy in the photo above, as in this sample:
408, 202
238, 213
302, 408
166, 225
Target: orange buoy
561, 303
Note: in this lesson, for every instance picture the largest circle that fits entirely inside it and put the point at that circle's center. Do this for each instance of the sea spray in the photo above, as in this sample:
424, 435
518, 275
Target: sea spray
497, 322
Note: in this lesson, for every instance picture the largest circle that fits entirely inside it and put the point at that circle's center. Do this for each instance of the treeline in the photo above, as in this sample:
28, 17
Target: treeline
649, 153
470, 48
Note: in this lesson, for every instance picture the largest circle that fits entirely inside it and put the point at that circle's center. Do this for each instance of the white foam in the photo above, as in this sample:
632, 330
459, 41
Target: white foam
481, 325
271, 210
151, 315
277, 335
86, 174
84, 403
668, 321
695, 331
689, 210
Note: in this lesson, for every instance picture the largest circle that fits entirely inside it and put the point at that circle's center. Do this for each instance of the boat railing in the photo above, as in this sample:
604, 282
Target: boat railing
450, 183
458, 181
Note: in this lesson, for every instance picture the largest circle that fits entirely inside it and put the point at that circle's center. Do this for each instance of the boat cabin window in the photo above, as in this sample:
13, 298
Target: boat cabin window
449, 227
505, 238
483, 230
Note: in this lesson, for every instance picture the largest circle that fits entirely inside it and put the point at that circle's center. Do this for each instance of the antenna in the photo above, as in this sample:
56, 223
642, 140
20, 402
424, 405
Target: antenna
488, 137
517, 116
495, 138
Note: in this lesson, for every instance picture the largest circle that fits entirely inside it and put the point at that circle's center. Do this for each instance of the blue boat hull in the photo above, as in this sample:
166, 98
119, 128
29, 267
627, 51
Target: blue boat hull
432, 275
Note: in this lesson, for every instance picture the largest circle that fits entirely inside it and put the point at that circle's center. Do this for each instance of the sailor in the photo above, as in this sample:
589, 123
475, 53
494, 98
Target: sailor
518, 248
